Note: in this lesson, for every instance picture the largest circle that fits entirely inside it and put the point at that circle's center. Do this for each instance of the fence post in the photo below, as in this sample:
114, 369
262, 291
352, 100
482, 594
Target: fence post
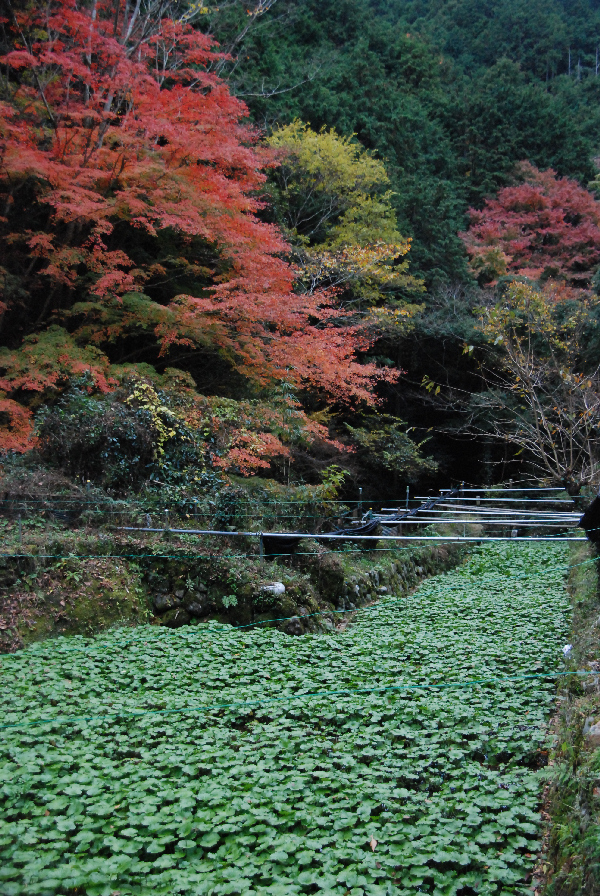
407, 495
360, 502
261, 547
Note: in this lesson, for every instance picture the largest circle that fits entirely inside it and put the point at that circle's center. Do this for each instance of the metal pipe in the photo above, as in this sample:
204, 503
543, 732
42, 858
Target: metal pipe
498, 489
517, 500
422, 518
361, 537
458, 508
552, 524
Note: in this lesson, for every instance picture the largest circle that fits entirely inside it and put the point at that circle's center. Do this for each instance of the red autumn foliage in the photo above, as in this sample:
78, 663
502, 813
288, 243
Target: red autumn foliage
125, 165
49, 360
248, 435
547, 227
16, 427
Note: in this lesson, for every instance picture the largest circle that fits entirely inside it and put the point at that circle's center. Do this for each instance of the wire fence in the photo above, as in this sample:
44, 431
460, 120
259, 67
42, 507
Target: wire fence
436, 519
208, 707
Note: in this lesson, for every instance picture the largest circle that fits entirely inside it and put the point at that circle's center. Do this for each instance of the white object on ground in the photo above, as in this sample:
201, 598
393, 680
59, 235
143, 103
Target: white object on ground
274, 588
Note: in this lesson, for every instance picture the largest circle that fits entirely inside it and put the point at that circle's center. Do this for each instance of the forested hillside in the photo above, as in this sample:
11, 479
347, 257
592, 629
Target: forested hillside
283, 213
453, 96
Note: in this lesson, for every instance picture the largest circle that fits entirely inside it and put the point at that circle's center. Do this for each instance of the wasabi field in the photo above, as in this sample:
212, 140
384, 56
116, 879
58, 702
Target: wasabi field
399, 755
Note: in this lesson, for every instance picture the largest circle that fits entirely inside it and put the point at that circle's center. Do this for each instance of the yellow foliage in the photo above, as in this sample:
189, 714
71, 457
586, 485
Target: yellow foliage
164, 421
333, 163
339, 213
554, 316
375, 263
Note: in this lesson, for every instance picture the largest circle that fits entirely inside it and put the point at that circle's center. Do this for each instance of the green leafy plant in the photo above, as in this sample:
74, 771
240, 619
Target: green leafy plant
118, 441
217, 760
383, 442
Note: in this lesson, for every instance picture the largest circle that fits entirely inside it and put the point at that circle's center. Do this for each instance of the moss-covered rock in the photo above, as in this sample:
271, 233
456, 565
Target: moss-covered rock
75, 596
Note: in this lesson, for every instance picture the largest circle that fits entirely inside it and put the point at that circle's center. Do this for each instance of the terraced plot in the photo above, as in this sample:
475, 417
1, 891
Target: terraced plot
342, 777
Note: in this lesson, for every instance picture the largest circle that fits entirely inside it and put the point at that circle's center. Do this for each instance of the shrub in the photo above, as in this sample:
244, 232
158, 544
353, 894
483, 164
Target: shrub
117, 441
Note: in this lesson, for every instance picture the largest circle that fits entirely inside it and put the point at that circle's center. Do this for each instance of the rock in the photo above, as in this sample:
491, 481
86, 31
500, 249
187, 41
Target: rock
382, 590
197, 604
419, 570
201, 587
587, 725
276, 588
593, 735
294, 626
176, 618
164, 602
180, 594
195, 609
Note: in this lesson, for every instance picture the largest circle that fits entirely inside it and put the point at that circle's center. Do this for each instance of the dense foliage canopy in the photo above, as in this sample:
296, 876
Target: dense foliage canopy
451, 95
544, 228
130, 227
233, 191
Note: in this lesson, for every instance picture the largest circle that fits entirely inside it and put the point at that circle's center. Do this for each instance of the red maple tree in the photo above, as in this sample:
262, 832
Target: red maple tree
544, 228
126, 172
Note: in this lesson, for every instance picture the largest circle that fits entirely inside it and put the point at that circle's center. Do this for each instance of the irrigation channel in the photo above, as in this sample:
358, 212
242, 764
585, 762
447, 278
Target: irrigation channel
403, 754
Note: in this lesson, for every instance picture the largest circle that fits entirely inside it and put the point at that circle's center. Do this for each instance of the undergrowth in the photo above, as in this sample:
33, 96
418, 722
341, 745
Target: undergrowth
572, 862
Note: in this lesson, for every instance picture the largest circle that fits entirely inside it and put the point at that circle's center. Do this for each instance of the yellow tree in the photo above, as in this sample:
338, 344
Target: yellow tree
333, 199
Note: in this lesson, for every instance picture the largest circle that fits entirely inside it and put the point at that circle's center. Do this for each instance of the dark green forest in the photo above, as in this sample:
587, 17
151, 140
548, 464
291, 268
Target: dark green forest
450, 95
